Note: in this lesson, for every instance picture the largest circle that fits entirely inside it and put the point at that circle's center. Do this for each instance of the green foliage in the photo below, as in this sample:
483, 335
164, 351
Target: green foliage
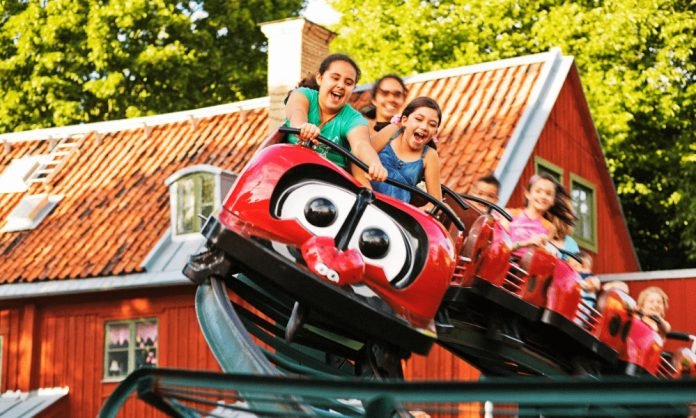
637, 61
71, 61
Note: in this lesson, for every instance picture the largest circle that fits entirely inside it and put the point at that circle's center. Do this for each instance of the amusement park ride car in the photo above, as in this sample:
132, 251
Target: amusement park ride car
317, 263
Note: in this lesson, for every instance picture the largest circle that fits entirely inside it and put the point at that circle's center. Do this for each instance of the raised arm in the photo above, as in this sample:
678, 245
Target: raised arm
360, 146
296, 111
432, 173
381, 138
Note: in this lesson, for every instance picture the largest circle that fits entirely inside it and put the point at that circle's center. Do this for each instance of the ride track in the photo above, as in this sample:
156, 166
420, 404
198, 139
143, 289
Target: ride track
303, 306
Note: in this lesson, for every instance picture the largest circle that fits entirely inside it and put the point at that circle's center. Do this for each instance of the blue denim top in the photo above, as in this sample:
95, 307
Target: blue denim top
405, 172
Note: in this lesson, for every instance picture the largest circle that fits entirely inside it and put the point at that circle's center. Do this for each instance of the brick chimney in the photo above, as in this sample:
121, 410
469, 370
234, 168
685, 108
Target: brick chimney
296, 47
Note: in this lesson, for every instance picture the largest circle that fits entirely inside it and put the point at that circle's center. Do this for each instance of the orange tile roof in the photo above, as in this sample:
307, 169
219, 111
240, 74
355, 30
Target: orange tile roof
116, 205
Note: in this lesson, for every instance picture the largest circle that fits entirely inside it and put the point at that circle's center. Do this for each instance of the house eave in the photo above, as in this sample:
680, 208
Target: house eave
13, 291
532, 122
649, 275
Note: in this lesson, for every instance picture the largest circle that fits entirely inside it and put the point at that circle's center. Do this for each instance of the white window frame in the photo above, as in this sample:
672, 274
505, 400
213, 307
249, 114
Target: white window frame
173, 181
591, 243
131, 349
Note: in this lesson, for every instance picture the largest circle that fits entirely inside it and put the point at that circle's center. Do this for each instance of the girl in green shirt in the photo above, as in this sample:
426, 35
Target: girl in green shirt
328, 113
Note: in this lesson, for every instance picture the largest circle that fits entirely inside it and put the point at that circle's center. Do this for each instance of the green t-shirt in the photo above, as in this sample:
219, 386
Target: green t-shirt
336, 130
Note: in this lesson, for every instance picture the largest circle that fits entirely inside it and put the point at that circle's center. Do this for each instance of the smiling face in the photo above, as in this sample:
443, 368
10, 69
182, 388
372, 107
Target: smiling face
335, 86
653, 304
540, 196
388, 100
420, 127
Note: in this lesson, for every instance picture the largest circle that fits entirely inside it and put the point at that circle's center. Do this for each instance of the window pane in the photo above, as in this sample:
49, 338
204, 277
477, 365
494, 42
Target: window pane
117, 363
146, 344
117, 336
186, 206
195, 196
146, 357
583, 203
207, 190
146, 334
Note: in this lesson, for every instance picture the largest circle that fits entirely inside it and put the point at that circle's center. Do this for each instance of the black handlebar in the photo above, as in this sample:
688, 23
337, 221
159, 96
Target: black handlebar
353, 159
681, 336
574, 256
459, 198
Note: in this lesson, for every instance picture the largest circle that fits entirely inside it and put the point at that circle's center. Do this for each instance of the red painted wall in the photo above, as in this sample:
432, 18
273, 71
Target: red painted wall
440, 364
9, 330
569, 140
71, 349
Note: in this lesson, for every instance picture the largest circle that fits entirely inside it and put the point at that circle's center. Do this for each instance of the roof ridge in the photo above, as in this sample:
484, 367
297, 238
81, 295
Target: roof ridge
474, 68
47, 134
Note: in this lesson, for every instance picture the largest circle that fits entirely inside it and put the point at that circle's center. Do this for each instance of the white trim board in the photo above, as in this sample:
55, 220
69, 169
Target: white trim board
93, 285
532, 122
650, 275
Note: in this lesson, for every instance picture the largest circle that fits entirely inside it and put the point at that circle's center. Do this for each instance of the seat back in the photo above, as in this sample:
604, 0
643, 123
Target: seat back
616, 313
643, 346
538, 266
563, 295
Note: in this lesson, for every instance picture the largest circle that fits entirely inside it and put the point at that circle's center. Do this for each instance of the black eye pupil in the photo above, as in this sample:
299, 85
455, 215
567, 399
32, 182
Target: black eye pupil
374, 243
320, 212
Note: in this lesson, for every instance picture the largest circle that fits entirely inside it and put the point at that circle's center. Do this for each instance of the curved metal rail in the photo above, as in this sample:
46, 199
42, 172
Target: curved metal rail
184, 393
231, 345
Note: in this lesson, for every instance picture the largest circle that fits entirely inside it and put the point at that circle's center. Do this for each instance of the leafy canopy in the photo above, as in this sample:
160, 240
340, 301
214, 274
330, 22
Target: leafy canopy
71, 61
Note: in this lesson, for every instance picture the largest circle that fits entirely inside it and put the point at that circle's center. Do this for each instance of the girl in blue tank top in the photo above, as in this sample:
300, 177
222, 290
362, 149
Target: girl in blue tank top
407, 152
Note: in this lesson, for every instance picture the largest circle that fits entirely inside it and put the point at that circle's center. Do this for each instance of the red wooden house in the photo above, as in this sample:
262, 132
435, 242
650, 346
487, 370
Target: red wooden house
97, 220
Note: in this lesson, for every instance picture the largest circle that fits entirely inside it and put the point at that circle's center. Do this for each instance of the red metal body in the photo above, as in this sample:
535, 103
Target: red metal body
493, 265
616, 309
643, 347
563, 296
539, 267
248, 209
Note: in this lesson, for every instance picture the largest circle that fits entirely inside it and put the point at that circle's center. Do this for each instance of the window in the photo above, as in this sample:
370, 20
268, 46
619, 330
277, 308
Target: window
543, 166
584, 202
194, 195
30, 211
129, 345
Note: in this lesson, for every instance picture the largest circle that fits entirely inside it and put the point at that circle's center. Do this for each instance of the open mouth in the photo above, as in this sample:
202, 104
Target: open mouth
420, 136
336, 96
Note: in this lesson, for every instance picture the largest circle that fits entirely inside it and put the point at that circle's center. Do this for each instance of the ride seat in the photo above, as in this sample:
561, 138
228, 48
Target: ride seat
538, 265
615, 309
643, 348
564, 293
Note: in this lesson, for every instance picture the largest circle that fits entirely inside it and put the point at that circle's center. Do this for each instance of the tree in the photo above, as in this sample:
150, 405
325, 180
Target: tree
71, 61
637, 62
